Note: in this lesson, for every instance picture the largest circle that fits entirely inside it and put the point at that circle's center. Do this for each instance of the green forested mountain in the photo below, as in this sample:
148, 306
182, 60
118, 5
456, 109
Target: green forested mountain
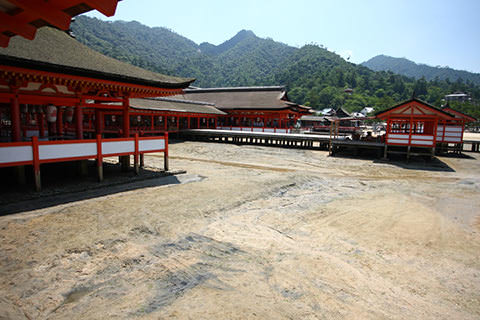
313, 75
411, 69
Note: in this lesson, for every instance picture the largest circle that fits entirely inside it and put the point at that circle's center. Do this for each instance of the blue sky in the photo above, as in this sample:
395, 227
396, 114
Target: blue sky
442, 32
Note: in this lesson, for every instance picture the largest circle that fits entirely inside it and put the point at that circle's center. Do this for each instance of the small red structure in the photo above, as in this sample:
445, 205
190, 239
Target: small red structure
262, 109
415, 123
150, 116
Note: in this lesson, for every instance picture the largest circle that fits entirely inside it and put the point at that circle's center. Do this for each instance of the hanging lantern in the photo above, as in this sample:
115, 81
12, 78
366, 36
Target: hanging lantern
69, 114
51, 113
139, 118
160, 118
114, 118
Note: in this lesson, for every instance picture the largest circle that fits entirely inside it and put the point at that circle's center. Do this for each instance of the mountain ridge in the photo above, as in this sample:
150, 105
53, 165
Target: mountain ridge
416, 70
313, 75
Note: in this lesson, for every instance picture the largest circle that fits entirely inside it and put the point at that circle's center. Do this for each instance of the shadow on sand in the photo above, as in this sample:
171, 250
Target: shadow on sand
61, 184
414, 163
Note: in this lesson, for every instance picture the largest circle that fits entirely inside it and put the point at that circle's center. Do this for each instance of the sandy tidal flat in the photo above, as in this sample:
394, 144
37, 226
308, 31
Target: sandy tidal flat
255, 232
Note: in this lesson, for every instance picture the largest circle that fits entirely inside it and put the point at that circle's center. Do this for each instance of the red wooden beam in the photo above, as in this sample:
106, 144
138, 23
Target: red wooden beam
17, 26
107, 7
46, 11
4, 40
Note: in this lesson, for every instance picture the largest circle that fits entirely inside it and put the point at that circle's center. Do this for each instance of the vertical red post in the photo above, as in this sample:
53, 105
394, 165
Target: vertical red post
178, 123
60, 121
198, 123
165, 120
215, 123
36, 164
135, 155
188, 119
410, 132
126, 117
41, 124
165, 153
79, 120
99, 158
98, 122
15, 114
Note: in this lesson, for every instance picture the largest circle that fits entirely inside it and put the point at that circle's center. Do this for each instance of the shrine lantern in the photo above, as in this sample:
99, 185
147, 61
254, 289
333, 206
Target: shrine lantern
51, 113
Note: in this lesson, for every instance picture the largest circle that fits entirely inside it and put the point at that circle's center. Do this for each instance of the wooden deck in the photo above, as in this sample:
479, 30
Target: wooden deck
285, 140
309, 141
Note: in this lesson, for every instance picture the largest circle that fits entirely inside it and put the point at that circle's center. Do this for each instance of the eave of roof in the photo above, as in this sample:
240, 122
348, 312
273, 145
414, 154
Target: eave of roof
412, 100
55, 51
174, 105
24, 17
466, 116
235, 89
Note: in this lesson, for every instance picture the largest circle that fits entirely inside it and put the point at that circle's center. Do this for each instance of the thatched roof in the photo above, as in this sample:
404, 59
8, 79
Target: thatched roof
312, 118
55, 51
173, 105
272, 98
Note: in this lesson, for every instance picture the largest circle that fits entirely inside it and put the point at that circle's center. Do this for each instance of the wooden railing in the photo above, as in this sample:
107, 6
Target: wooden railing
39, 152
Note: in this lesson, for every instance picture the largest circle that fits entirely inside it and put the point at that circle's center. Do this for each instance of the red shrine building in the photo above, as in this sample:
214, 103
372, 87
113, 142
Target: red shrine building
262, 109
57, 99
415, 123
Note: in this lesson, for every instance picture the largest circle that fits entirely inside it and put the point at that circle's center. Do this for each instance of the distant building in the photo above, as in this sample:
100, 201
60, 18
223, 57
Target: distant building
367, 110
348, 91
458, 96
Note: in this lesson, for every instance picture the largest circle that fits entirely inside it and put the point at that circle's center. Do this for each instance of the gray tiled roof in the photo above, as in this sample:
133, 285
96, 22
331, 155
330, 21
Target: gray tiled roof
240, 97
173, 105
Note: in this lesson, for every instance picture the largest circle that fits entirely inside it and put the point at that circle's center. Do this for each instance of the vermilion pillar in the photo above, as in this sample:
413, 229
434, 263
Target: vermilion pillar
98, 122
79, 121
126, 117
15, 114
60, 121
41, 124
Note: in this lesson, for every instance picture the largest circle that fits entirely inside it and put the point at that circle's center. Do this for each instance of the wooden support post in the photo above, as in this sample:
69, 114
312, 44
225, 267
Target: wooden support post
83, 167
142, 160
385, 152
41, 124
36, 164
60, 121
165, 154
15, 118
98, 122
99, 158
408, 153
125, 162
135, 156
126, 116
79, 121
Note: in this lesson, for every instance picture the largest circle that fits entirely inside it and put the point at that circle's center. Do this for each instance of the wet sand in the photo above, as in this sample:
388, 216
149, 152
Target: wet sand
255, 232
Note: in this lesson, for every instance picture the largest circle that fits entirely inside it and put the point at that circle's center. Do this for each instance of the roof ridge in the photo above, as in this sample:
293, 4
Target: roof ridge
233, 89
181, 101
